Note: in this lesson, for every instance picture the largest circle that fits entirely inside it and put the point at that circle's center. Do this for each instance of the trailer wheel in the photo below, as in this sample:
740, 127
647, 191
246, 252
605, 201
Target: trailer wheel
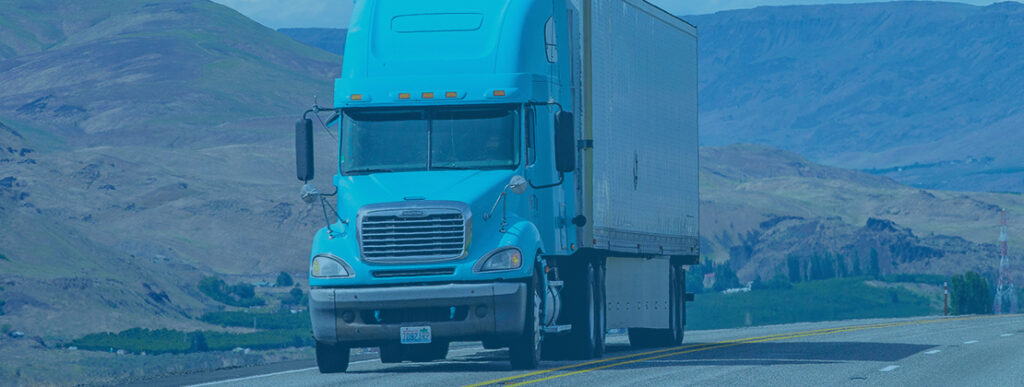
331, 359
524, 353
600, 311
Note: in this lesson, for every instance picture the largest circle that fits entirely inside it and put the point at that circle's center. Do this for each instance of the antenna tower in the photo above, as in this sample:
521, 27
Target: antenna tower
1006, 298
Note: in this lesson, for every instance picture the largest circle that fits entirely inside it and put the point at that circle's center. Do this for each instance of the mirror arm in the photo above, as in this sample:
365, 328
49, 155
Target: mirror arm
501, 196
561, 179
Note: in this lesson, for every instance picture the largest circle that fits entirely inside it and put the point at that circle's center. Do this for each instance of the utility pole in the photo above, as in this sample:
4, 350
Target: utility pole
1006, 297
945, 298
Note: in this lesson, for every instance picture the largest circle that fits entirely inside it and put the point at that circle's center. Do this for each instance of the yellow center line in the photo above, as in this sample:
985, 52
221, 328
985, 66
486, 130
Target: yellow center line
702, 347
605, 360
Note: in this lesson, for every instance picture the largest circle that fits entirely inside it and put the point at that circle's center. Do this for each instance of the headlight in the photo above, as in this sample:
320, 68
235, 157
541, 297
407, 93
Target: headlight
330, 266
504, 259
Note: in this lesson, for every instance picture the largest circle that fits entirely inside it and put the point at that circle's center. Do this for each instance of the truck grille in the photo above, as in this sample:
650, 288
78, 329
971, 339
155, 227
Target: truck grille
413, 235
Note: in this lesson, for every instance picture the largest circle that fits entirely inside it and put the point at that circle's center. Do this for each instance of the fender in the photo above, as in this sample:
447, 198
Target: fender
524, 235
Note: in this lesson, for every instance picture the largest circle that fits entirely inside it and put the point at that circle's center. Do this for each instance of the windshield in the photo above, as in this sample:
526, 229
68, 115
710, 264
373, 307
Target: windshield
394, 140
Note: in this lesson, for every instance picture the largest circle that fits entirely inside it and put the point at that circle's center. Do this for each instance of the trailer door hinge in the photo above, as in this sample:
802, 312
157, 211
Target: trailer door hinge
585, 144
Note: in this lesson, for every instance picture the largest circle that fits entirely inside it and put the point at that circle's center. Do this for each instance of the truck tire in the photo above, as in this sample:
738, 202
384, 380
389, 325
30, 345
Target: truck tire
601, 315
391, 353
331, 359
583, 339
646, 337
524, 352
580, 299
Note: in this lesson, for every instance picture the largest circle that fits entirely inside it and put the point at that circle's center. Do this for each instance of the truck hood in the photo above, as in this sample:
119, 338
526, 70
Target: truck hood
476, 188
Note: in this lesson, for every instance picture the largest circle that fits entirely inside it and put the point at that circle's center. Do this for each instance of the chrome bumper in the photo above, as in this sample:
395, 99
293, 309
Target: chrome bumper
351, 315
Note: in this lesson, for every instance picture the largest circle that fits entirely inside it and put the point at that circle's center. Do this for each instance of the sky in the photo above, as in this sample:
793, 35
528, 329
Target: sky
335, 13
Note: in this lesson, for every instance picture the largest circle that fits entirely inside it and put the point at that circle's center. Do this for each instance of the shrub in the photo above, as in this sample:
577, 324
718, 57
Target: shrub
295, 297
284, 280
240, 295
778, 282
970, 294
725, 278
243, 291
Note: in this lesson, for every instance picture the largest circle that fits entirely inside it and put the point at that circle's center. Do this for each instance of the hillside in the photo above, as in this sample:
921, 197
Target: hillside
760, 205
143, 145
328, 39
132, 72
922, 92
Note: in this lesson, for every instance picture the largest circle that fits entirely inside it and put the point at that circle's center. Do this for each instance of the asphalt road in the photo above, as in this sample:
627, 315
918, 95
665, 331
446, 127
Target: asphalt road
965, 351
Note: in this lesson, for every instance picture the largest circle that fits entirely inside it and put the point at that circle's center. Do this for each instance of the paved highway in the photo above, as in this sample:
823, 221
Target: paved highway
966, 351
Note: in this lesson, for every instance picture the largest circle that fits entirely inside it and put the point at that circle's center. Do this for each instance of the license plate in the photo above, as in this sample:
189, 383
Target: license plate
416, 335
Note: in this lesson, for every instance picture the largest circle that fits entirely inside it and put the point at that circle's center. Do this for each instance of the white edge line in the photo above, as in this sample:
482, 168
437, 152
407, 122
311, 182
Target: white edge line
889, 368
295, 371
255, 377
1006, 334
971, 342
932, 352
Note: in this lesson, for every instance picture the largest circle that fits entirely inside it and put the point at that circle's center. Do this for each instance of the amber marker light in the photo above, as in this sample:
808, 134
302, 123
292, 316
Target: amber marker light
499, 93
451, 94
356, 97
404, 96
428, 95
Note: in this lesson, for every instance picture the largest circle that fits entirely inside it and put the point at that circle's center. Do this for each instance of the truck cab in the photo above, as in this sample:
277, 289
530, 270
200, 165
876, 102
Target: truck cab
458, 213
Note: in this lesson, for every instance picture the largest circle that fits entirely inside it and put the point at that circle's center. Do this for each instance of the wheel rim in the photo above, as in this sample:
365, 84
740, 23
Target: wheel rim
536, 323
592, 302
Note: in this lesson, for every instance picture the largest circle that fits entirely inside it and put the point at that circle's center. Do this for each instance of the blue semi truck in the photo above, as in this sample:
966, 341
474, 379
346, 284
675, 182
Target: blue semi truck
521, 173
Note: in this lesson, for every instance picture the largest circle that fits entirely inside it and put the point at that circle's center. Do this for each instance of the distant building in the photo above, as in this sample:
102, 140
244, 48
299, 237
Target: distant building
709, 280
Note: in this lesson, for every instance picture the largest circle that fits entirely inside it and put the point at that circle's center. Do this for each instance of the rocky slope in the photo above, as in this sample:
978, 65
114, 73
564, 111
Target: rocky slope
760, 205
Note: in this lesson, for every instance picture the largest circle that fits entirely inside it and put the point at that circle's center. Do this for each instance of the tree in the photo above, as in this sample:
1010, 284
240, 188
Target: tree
970, 294
857, 272
244, 291
198, 342
295, 297
874, 271
284, 280
725, 278
793, 263
841, 271
695, 279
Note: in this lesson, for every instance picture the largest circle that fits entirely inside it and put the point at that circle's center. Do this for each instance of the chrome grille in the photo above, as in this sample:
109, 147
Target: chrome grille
412, 234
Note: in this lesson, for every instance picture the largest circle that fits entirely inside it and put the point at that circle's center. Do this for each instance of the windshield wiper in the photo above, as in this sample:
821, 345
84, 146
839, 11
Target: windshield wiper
449, 167
369, 171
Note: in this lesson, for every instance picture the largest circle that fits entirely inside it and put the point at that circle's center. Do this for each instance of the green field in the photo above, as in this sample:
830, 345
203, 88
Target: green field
826, 300
160, 341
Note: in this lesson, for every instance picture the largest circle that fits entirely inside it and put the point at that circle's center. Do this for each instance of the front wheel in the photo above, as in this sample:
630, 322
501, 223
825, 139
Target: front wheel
331, 359
524, 353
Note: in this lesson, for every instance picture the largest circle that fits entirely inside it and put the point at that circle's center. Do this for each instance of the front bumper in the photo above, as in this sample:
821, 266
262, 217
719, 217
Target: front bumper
376, 315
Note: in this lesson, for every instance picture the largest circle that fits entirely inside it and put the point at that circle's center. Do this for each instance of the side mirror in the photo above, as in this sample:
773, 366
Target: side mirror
304, 149
518, 184
565, 142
